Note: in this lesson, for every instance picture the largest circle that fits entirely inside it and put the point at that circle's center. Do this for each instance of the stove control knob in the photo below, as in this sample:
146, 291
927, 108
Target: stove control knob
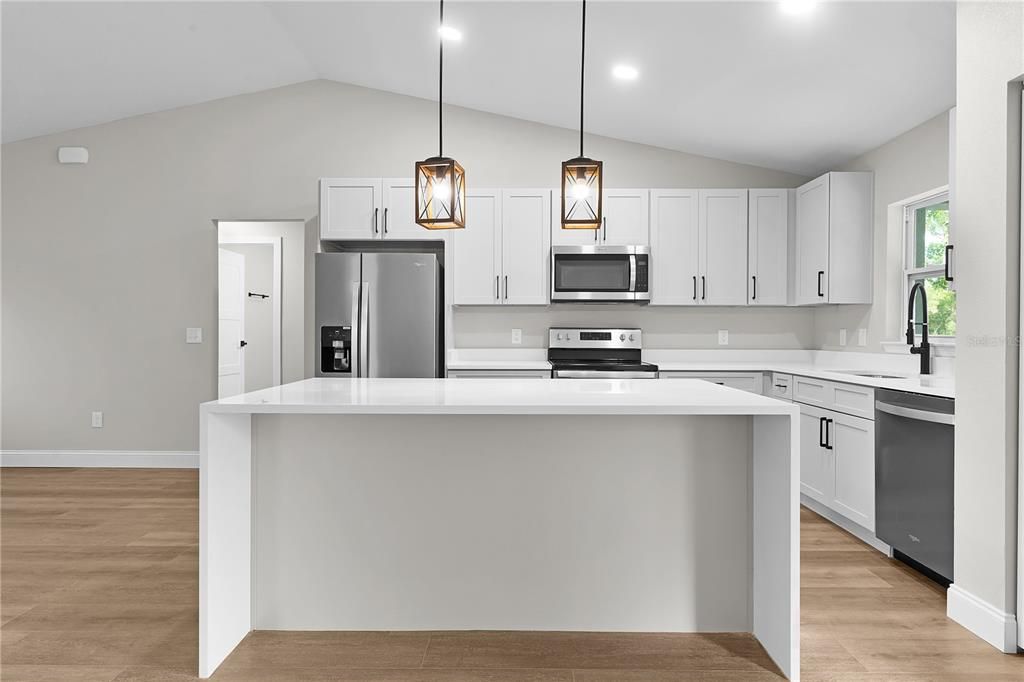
630, 337
622, 337
559, 337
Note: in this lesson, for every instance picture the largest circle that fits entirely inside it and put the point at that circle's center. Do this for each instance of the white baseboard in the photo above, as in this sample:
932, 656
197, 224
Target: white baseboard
134, 459
993, 625
851, 527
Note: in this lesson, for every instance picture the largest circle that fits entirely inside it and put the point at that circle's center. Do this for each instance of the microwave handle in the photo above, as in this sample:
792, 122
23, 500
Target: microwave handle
632, 272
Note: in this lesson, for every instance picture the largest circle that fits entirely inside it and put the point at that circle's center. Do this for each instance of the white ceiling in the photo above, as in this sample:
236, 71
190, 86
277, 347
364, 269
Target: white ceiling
735, 80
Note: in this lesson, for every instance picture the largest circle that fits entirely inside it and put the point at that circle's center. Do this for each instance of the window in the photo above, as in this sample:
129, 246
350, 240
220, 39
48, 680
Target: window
926, 236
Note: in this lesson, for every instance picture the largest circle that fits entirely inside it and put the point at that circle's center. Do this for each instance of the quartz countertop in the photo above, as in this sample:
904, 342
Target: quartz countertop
501, 396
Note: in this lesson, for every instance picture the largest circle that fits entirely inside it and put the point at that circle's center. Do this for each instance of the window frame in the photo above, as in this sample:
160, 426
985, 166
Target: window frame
911, 273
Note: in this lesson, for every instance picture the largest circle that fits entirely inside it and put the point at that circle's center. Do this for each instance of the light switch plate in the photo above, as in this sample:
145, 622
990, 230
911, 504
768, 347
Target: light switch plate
97, 420
842, 337
517, 336
723, 337
862, 337
194, 335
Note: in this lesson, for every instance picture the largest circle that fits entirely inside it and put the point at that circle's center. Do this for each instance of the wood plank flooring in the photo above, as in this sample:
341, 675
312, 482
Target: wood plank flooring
98, 582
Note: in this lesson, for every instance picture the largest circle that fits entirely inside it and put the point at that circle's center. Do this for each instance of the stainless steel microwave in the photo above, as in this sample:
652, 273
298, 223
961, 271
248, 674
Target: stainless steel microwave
598, 274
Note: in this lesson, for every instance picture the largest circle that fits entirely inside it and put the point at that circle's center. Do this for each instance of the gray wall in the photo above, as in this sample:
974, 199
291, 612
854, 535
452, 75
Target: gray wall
990, 54
122, 252
915, 162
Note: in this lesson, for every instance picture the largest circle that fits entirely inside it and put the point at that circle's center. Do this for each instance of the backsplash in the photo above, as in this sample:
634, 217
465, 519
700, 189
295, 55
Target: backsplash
668, 327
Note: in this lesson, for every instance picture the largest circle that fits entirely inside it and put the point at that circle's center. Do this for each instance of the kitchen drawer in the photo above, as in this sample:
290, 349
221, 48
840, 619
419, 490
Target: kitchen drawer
780, 386
499, 373
851, 399
752, 382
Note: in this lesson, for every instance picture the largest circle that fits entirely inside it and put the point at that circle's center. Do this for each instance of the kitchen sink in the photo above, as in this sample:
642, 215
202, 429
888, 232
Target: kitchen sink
870, 375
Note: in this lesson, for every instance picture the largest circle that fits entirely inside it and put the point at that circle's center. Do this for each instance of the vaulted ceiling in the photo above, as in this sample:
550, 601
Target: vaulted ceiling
735, 80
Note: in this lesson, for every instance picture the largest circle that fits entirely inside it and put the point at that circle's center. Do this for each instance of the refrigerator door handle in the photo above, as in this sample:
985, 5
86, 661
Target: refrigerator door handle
364, 327
357, 341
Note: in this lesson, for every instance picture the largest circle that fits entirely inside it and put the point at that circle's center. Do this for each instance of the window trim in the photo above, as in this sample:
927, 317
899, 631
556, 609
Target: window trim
910, 206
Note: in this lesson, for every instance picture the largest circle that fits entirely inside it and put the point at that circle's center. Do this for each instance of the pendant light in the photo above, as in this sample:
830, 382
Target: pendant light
440, 181
582, 178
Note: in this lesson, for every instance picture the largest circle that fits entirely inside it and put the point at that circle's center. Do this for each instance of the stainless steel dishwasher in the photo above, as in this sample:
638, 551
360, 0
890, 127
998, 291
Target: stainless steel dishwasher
914, 479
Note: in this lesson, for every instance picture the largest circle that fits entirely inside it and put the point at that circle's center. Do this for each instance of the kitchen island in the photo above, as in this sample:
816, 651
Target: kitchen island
510, 504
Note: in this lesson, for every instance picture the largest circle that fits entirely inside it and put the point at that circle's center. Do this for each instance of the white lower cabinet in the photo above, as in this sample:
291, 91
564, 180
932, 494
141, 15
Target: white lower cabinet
499, 373
751, 382
837, 463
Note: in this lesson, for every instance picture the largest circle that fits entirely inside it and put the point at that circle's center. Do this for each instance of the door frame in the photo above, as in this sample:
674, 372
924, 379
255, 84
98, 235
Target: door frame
275, 294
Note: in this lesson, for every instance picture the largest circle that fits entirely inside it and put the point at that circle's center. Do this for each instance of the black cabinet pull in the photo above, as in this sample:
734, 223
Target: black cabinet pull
385, 221
949, 252
754, 297
497, 287
375, 212
828, 436
695, 287
821, 273
703, 288
821, 432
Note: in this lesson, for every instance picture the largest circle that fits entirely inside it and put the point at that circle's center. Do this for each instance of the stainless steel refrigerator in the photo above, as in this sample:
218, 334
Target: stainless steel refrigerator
379, 314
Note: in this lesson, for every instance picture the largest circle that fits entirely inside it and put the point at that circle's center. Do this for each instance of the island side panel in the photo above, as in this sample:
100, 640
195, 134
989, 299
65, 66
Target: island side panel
225, 536
601, 523
776, 539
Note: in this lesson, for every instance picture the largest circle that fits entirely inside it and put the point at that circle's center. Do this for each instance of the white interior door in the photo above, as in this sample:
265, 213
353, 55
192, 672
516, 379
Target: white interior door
230, 323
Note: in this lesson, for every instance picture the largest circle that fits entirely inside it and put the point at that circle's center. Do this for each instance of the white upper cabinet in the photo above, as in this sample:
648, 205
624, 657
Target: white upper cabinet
370, 208
833, 239
723, 233
625, 220
398, 219
476, 251
675, 263
501, 257
525, 244
350, 208
768, 246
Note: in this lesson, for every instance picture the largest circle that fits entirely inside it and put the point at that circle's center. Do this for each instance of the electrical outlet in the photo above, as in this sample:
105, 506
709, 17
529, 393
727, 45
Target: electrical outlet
517, 336
193, 335
723, 337
862, 337
842, 337
97, 420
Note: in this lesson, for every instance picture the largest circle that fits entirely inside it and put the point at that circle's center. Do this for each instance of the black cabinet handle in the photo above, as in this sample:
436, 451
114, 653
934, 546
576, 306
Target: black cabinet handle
821, 432
506, 287
949, 252
604, 229
828, 436
375, 212
497, 287
385, 221
703, 288
754, 297
695, 287
821, 273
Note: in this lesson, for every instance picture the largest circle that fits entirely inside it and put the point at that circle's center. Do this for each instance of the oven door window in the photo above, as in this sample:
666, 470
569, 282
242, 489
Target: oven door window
588, 272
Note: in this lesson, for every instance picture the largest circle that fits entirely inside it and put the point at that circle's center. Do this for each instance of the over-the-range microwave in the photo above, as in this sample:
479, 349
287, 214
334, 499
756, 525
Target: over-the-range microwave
600, 274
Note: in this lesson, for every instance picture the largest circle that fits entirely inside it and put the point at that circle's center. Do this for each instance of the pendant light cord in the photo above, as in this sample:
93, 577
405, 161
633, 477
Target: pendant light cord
440, 85
583, 56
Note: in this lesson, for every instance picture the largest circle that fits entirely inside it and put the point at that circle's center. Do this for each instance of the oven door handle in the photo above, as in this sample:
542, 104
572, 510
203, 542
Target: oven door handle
911, 413
632, 272
601, 374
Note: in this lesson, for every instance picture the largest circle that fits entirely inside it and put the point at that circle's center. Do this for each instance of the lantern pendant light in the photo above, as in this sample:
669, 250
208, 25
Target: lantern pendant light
440, 181
582, 178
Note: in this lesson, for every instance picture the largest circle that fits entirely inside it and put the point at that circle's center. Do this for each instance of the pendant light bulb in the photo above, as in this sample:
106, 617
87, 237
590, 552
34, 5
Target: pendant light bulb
440, 180
582, 178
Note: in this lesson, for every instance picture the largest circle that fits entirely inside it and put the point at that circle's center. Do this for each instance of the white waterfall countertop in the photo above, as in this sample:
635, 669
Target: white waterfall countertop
500, 396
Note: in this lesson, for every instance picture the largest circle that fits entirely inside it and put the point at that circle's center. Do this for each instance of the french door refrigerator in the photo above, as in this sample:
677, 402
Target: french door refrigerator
379, 315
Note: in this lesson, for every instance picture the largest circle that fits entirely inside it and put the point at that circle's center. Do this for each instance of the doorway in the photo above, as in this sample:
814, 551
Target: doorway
258, 278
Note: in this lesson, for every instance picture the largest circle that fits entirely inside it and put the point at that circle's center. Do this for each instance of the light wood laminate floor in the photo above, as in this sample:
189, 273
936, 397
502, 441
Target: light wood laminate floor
98, 581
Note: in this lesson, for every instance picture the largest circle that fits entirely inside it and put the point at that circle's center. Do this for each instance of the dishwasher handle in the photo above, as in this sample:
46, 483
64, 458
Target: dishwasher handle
912, 413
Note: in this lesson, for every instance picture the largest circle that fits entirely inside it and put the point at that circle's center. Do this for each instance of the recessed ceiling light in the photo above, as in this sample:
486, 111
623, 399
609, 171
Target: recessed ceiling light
624, 72
449, 33
795, 7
